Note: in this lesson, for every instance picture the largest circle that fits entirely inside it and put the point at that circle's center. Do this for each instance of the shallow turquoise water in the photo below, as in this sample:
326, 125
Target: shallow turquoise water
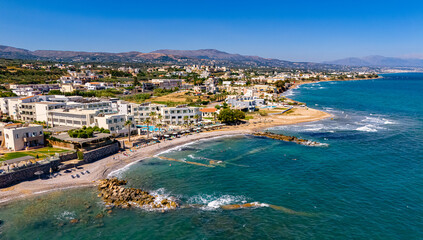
366, 184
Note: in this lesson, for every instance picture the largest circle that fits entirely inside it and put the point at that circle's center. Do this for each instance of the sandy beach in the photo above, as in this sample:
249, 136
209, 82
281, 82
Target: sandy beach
102, 168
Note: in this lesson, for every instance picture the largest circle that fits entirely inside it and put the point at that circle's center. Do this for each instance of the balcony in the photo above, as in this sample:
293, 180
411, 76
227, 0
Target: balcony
28, 139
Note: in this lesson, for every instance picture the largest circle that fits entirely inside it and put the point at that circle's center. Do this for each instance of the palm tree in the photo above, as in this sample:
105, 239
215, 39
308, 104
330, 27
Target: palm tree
147, 122
129, 124
185, 120
191, 123
160, 117
196, 117
153, 116
159, 125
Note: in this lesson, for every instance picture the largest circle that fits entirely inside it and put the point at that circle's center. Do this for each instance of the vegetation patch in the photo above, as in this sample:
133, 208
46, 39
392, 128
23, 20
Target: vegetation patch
38, 153
86, 132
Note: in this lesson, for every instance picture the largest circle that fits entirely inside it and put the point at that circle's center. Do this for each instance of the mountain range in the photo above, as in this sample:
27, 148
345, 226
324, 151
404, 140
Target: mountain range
379, 61
202, 56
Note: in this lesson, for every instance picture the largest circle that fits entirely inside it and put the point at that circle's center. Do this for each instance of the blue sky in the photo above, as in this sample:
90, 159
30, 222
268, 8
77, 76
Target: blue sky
289, 30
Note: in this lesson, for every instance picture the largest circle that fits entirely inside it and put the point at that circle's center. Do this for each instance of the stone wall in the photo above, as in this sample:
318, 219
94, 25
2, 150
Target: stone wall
99, 153
26, 173
68, 156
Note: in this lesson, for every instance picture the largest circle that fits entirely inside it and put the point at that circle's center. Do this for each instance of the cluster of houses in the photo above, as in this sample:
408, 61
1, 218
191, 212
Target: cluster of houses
74, 112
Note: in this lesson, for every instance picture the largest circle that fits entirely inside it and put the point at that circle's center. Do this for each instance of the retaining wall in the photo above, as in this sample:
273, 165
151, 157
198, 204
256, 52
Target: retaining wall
99, 153
26, 173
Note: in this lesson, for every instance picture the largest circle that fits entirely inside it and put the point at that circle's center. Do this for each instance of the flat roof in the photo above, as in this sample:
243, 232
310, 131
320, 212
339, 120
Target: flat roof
48, 103
76, 111
60, 129
208, 110
97, 136
19, 159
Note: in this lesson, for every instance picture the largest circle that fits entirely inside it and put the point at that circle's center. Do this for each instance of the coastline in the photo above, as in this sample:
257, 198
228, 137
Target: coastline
118, 162
297, 84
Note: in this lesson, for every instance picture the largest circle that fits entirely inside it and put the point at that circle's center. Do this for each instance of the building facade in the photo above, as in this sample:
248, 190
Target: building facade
20, 137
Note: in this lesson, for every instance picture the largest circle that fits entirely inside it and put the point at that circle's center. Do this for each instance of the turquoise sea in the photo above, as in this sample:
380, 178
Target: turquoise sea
365, 183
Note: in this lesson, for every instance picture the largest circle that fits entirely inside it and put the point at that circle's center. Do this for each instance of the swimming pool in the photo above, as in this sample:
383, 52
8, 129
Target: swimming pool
150, 128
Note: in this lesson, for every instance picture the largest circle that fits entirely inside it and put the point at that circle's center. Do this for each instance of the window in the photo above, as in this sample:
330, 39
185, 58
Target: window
17, 136
41, 132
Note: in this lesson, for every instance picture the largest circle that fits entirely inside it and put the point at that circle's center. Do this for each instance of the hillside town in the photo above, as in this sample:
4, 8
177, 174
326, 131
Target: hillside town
89, 107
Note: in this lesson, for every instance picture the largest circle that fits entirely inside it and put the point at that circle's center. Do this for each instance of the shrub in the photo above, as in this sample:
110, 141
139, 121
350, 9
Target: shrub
231, 115
80, 155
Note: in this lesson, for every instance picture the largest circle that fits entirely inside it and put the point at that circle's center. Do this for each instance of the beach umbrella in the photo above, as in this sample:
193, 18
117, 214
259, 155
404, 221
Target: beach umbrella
39, 173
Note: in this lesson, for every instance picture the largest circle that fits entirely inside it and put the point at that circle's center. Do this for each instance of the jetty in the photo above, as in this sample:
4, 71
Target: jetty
188, 162
287, 138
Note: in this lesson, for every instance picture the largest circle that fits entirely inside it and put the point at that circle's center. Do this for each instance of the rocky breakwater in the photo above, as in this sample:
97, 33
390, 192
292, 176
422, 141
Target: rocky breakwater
113, 193
288, 138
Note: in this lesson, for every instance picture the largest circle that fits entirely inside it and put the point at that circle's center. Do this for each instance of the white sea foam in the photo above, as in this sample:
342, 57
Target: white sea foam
66, 215
212, 202
289, 93
180, 147
117, 173
366, 128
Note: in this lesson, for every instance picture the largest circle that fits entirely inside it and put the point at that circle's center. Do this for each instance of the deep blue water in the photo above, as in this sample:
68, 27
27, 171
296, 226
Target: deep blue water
367, 183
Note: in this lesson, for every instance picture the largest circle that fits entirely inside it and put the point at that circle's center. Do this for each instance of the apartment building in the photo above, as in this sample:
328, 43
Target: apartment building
169, 115
115, 123
244, 102
19, 137
42, 109
70, 88
27, 112
140, 112
14, 105
180, 115
101, 106
167, 83
72, 117
23, 89
4, 104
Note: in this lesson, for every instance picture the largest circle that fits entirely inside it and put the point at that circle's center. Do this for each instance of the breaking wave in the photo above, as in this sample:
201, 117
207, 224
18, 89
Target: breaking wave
213, 202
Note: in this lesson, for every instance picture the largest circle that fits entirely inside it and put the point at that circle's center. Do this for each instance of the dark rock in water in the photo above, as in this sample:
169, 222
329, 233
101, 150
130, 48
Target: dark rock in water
74, 221
1, 222
114, 193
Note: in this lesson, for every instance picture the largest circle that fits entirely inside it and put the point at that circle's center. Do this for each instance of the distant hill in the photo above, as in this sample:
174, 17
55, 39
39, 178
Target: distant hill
379, 61
202, 56
210, 54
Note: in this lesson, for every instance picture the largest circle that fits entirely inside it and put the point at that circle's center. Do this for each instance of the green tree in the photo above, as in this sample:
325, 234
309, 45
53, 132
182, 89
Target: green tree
230, 115
136, 82
128, 123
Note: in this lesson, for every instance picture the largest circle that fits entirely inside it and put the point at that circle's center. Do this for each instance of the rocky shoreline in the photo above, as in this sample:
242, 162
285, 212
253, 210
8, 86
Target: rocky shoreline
113, 193
287, 138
